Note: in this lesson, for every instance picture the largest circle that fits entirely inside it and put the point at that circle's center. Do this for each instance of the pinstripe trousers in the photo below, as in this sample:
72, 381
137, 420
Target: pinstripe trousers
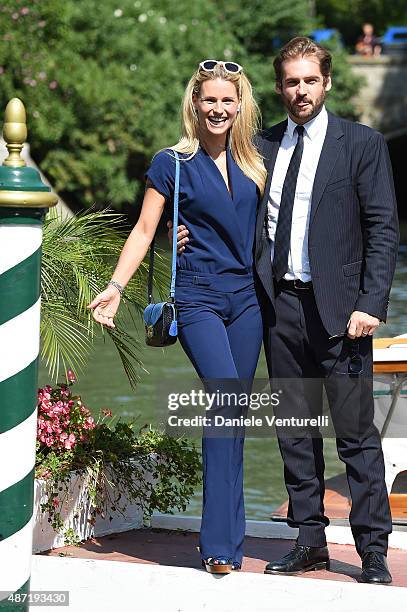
298, 347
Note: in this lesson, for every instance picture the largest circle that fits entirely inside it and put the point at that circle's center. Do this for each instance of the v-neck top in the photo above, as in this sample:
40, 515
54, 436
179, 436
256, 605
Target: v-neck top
221, 224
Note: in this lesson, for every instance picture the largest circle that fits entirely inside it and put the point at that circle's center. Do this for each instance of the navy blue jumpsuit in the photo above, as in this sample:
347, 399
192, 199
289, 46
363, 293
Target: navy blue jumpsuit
219, 319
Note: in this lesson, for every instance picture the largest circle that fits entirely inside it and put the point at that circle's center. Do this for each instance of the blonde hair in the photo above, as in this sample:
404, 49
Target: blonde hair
243, 129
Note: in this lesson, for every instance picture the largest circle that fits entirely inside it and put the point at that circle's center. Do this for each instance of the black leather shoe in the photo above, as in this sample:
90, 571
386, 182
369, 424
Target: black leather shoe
375, 569
236, 566
299, 560
218, 565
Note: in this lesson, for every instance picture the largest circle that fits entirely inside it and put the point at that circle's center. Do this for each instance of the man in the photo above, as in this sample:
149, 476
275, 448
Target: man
325, 254
328, 221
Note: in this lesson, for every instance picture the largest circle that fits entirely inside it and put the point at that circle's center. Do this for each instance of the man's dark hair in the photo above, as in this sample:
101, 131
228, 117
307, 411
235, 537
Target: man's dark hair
301, 46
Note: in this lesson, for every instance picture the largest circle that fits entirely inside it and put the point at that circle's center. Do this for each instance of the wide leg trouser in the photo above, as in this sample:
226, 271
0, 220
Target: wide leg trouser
221, 333
298, 347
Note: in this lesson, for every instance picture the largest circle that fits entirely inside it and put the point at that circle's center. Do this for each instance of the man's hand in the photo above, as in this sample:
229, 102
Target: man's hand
362, 324
182, 236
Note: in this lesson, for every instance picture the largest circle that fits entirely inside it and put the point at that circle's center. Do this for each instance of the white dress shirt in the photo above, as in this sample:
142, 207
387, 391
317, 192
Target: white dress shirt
314, 136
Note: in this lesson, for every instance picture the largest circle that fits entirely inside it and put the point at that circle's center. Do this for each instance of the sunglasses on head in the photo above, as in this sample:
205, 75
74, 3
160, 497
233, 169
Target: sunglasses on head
231, 67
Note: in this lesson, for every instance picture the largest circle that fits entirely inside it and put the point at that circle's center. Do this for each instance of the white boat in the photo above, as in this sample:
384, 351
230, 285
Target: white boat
390, 393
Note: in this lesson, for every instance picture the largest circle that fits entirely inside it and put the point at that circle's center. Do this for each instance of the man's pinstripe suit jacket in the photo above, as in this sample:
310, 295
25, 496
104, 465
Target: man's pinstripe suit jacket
353, 232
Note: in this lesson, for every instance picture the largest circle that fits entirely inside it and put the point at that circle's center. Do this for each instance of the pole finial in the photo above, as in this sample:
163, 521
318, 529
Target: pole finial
14, 132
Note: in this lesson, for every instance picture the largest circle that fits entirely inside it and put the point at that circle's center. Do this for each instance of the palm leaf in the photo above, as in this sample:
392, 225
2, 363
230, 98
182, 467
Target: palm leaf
65, 342
78, 256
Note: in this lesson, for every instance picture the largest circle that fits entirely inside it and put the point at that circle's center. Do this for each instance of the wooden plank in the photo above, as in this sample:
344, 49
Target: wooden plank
338, 505
398, 505
389, 367
380, 343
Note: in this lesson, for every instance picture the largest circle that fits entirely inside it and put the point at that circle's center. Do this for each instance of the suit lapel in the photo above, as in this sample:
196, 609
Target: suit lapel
329, 154
271, 144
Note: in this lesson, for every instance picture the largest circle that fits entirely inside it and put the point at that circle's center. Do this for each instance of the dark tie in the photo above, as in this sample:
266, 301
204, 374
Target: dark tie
282, 238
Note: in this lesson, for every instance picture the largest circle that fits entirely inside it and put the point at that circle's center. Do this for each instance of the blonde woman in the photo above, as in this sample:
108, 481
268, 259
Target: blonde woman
220, 328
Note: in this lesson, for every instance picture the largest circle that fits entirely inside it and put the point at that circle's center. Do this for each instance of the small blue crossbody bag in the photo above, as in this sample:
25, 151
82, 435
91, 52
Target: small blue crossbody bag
161, 319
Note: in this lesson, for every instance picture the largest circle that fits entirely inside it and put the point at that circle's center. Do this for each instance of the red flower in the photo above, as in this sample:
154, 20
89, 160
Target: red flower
70, 376
63, 420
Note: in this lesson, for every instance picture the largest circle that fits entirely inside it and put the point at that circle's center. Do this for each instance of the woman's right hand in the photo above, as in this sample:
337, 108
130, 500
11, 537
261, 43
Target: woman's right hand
105, 306
182, 237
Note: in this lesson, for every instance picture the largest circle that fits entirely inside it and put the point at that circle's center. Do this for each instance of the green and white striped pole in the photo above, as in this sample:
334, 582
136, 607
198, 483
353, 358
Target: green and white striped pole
24, 200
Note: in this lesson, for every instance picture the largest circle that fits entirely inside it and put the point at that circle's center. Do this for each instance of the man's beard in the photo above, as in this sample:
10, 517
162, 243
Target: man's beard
312, 110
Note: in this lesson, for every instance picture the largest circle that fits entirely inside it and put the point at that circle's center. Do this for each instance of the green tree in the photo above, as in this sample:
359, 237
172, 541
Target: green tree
102, 80
102, 83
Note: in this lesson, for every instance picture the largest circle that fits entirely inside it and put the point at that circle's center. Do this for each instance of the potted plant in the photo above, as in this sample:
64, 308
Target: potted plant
101, 476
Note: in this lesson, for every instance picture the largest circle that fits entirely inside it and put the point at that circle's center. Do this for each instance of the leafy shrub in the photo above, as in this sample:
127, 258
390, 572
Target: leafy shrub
102, 82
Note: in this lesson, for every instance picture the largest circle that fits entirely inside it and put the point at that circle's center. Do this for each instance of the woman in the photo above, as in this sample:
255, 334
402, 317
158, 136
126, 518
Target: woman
219, 322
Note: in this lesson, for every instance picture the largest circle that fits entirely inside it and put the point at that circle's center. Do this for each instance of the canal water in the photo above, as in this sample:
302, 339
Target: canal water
104, 385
